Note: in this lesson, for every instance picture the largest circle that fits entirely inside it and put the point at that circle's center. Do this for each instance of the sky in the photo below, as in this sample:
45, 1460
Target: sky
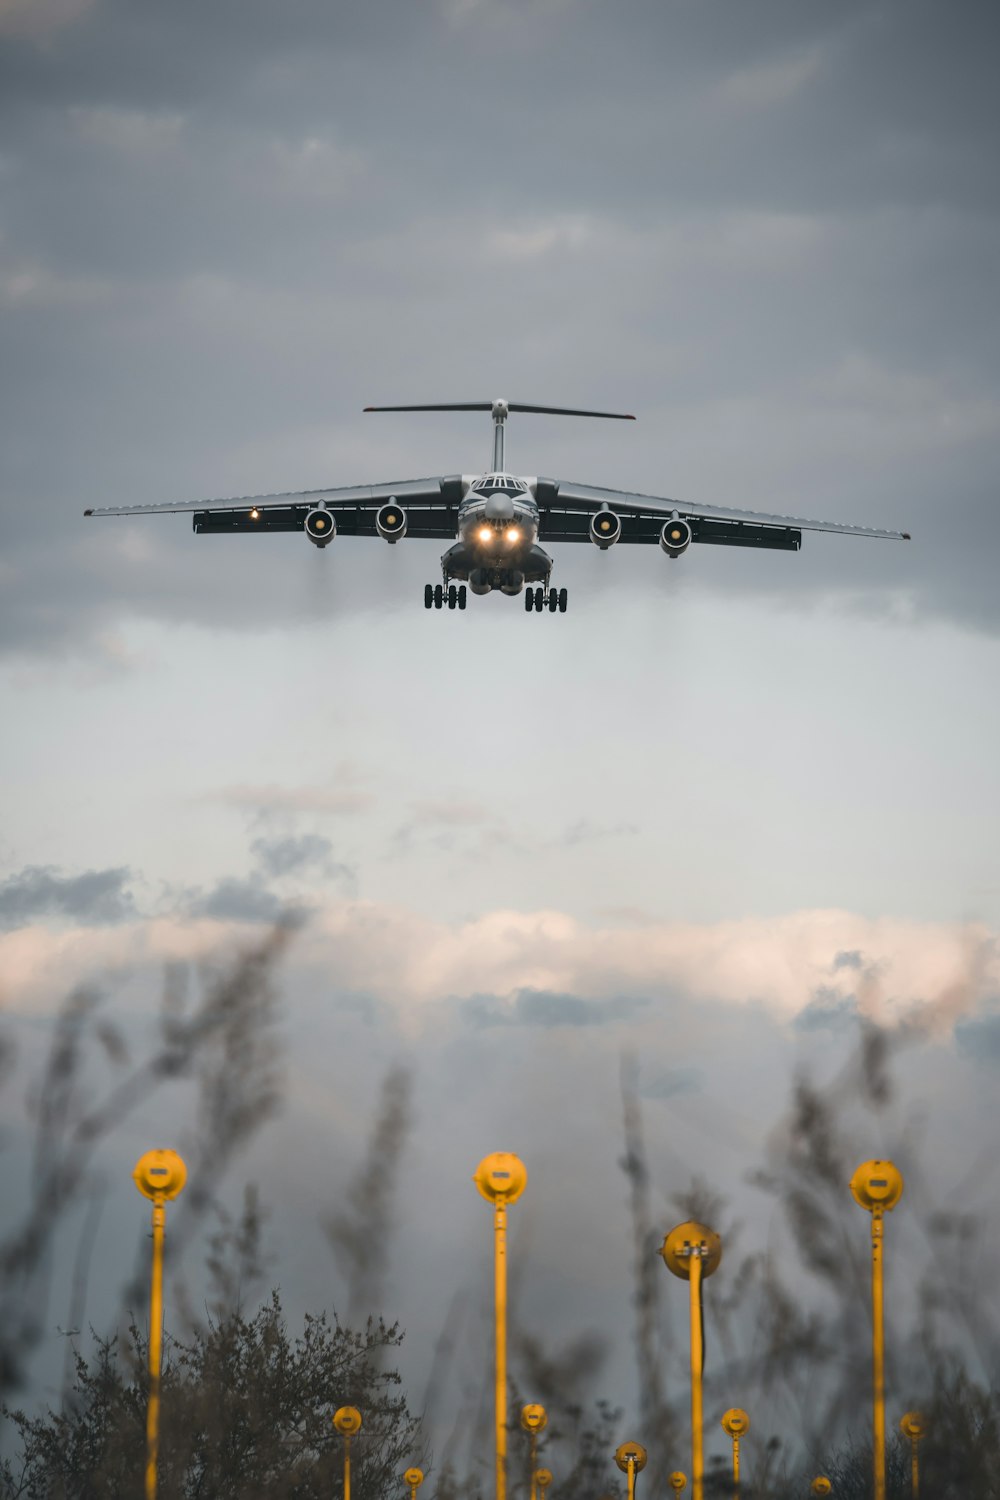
719, 811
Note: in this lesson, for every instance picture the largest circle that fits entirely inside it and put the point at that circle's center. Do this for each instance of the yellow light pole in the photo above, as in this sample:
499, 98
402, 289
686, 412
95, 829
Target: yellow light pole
631, 1459
878, 1186
737, 1424
413, 1479
913, 1426
158, 1175
692, 1252
821, 1485
677, 1481
347, 1420
534, 1419
501, 1178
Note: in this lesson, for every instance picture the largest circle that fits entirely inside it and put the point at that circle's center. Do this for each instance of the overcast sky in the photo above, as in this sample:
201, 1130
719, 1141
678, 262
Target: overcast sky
525, 843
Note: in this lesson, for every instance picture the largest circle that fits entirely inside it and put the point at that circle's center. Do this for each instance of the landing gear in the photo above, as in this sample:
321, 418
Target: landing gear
436, 596
550, 599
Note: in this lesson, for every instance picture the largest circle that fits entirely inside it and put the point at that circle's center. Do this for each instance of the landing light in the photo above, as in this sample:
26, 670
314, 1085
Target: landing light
513, 534
255, 514
485, 534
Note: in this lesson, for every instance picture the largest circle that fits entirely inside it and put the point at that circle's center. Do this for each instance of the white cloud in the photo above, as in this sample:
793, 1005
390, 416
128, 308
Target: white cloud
926, 973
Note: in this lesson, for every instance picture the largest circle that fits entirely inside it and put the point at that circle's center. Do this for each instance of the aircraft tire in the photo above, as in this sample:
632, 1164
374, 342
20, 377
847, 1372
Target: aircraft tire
529, 600
462, 596
438, 595
428, 595
563, 601
553, 601
539, 599
452, 596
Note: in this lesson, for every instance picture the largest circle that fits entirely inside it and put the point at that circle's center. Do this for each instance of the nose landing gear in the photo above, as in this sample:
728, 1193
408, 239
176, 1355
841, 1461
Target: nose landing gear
436, 596
550, 599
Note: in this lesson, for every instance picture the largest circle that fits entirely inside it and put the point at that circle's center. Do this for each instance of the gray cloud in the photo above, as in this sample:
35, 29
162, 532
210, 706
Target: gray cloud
979, 1037
235, 900
97, 897
299, 854
544, 1008
851, 959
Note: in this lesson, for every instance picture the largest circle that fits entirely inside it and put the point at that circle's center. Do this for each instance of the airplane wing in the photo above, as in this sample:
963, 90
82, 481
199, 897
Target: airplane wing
565, 512
431, 509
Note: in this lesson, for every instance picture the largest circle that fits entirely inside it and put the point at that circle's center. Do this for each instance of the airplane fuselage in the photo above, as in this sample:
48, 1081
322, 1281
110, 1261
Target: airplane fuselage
497, 546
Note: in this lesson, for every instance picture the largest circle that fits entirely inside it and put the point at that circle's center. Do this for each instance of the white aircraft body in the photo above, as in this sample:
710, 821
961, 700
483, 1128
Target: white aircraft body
498, 519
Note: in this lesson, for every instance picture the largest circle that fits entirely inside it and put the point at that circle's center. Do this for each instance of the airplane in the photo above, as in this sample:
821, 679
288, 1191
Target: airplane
496, 520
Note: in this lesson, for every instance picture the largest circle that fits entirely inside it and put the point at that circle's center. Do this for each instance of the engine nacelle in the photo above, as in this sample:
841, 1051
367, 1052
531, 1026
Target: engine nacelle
675, 537
321, 526
390, 521
513, 583
605, 529
479, 581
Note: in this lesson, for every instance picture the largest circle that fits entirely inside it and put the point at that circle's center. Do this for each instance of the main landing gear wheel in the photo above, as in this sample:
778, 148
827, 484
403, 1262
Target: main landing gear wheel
553, 601
462, 596
452, 596
563, 601
438, 595
529, 600
428, 595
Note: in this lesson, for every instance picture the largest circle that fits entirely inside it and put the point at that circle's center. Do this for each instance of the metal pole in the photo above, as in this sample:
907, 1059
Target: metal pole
915, 1466
533, 1440
500, 1293
736, 1466
347, 1466
155, 1351
697, 1361
878, 1354
631, 1479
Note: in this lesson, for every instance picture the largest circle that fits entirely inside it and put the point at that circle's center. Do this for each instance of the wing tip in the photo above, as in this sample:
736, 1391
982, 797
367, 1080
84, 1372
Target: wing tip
88, 512
906, 536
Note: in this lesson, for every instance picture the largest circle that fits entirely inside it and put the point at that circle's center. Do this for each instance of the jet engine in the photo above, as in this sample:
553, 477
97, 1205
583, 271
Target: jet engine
390, 521
605, 529
675, 537
321, 526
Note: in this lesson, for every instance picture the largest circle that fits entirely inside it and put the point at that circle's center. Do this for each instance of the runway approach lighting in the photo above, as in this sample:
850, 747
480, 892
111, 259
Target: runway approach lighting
534, 1419
347, 1420
821, 1485
692, 1252
914, 1426
501, 1178
737, 1424
630, 1458
878, 1186
677, 1481
158, 1175
413, 1479
543, 1479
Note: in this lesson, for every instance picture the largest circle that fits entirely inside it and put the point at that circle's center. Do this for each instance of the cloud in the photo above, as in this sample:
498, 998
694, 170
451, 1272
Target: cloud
923, 975
298, 854
37, 20
234, 900
539, 1008
97, 897
338, 801
979, 1037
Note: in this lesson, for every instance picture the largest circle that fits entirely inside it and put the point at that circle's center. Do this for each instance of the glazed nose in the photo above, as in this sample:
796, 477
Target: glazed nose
500, 508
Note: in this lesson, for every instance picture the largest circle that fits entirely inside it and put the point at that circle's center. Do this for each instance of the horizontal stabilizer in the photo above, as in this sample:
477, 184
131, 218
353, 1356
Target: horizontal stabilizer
548, 411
